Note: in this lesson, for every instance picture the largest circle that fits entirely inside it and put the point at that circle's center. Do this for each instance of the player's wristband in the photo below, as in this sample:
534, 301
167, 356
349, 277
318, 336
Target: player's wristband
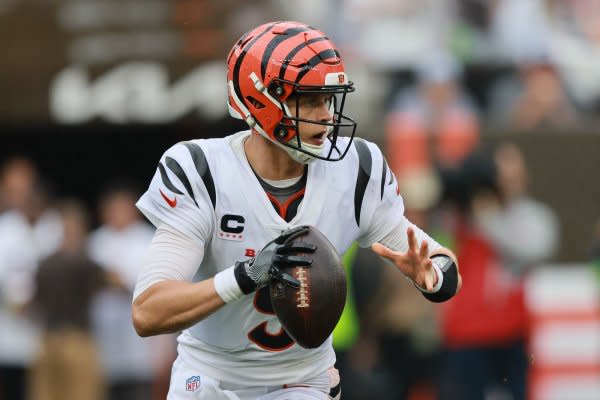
227, 286
447, 283
438, 284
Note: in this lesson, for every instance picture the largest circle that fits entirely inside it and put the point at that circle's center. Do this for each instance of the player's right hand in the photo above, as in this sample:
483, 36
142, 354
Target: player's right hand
281, 251
414, 263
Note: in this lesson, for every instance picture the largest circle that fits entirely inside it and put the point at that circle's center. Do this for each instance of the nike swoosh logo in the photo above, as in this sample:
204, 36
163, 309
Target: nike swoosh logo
170, 202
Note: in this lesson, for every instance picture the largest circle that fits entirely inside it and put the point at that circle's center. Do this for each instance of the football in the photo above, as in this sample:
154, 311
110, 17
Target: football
310, 312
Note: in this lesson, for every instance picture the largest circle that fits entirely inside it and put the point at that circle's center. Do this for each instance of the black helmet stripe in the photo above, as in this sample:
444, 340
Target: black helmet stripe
239, 43
295, 51
238, 63
319, 58
276, 41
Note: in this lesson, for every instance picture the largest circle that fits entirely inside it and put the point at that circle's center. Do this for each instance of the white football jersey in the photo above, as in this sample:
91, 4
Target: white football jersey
207, 190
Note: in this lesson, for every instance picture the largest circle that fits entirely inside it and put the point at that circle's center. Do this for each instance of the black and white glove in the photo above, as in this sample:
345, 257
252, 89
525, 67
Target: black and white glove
279, 252
247, 276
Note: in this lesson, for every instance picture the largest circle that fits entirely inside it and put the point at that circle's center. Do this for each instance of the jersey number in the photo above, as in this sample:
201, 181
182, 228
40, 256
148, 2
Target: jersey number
268, 341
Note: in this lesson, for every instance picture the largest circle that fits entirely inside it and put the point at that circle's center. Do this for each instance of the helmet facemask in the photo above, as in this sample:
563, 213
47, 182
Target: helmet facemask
288, 133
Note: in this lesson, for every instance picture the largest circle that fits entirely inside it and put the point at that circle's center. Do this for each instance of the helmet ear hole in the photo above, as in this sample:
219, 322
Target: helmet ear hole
281, 133
276, 90
255, 103
285, 131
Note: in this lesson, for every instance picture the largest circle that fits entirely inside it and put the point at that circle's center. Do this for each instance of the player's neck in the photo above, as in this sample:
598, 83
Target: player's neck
270, 161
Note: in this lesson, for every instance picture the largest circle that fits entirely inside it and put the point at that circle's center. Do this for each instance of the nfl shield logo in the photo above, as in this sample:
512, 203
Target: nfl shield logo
192, 383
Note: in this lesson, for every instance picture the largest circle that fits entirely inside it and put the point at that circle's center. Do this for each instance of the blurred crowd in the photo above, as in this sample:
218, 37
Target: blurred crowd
525, 65
65, 294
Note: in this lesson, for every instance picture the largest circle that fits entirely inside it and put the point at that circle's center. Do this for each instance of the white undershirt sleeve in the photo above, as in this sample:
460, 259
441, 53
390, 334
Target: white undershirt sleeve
171, 256
397, 239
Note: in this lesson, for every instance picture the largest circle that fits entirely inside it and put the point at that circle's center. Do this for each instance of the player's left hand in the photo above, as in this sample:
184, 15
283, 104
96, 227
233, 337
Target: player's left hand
415, 263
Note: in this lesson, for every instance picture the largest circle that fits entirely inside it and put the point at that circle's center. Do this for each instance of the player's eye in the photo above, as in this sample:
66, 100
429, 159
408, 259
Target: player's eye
318, 100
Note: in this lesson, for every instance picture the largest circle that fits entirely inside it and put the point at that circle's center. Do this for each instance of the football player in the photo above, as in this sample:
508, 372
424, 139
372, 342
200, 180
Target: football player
222, 208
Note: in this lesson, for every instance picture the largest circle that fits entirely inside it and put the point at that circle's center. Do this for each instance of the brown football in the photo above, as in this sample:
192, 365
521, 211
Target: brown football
309, 313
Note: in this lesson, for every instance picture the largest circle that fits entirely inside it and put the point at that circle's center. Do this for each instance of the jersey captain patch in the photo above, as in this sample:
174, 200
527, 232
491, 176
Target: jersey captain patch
231, 227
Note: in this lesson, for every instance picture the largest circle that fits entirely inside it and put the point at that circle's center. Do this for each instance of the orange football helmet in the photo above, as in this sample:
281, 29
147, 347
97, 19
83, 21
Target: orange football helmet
278, 59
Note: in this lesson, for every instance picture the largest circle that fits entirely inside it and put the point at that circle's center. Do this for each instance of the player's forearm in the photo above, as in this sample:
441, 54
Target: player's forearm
398, 241
170, 306
165, 299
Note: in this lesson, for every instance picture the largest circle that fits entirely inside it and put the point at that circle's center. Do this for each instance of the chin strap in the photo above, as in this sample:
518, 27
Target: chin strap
301, 157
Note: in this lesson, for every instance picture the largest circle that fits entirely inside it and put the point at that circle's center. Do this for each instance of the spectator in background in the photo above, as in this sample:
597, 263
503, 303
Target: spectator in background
433, 123
67, 366
534, 98
501, 234
118, 246
524, 230
29, 230
24, 193
574, 47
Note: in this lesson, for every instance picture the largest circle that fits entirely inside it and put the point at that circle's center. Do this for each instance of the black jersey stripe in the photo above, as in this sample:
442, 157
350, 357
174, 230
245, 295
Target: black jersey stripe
166, 181
316, 60
276, 41
364, 175
384, 170
174, 166
295, 51
199, 159
238, 63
